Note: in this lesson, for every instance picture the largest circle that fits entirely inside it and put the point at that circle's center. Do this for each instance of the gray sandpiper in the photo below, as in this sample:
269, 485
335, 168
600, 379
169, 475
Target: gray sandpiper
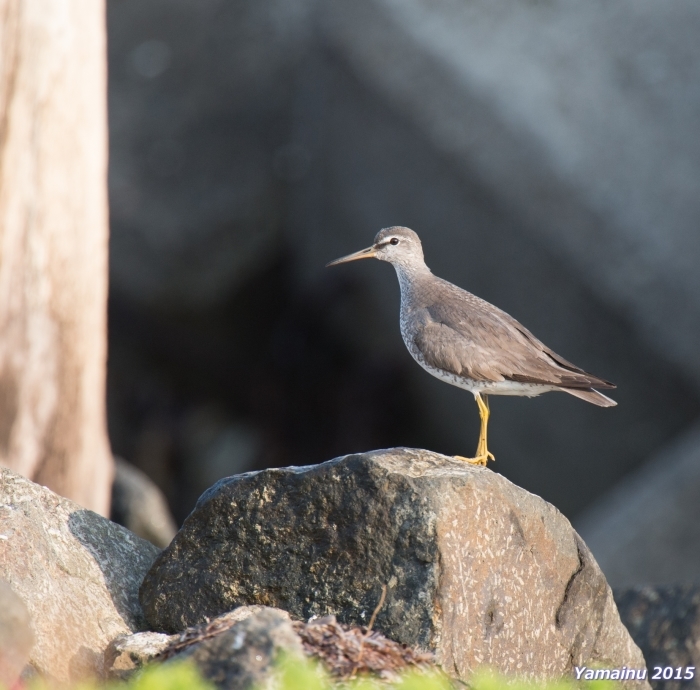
469, 343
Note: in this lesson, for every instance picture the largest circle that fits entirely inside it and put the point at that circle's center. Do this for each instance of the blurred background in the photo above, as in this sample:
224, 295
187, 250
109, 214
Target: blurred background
548, 154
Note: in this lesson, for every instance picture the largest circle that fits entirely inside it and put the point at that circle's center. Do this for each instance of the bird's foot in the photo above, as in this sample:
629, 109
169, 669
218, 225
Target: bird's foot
478, 460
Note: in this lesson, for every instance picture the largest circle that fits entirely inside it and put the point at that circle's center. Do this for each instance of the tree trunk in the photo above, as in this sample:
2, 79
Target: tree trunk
53, 246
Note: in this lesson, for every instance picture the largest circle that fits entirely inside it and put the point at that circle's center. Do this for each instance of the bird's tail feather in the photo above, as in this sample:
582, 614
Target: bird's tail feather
591, 396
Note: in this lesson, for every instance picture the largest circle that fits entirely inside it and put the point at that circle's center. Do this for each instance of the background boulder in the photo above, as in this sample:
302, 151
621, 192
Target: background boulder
139, 505
644, 531
665, 623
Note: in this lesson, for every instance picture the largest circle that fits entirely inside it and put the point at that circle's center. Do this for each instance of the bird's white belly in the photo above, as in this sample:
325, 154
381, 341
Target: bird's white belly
529, 390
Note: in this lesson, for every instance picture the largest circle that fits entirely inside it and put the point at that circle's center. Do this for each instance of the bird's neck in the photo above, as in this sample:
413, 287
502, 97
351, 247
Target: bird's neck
411, 276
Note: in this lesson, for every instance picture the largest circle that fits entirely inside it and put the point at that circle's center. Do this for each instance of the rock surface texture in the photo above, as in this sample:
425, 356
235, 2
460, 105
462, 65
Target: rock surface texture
76, 572
16, 637
665, 623
128, 653
345, 651
477, 570
243, 657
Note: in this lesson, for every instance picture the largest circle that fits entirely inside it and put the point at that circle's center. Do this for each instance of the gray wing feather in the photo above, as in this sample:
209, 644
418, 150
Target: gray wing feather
472, 338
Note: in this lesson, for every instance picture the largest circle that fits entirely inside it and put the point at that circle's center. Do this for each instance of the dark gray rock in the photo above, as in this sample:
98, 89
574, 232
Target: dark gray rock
139, 505
243, 657
76, 572
665, 623
477, 569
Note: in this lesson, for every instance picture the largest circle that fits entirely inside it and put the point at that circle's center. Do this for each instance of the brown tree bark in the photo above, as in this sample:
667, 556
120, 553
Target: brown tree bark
53, 246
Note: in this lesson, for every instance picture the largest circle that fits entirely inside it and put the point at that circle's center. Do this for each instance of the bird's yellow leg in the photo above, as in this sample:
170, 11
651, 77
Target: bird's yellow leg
482, 452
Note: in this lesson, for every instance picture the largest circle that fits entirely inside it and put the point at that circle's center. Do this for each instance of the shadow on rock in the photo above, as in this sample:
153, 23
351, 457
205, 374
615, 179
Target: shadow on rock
115, 555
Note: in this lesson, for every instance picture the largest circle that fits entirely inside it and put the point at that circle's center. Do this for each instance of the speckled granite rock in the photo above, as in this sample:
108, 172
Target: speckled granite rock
665, 622
76, 572
478, 570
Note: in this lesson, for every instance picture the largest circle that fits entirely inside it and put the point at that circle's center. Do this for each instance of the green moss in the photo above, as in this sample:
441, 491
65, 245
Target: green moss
296, 674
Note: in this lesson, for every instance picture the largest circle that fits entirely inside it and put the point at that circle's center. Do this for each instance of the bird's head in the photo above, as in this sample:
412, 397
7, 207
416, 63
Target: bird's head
397, 245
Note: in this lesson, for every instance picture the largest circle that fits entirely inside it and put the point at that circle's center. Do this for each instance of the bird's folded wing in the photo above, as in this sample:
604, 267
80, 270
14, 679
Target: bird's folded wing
486, 344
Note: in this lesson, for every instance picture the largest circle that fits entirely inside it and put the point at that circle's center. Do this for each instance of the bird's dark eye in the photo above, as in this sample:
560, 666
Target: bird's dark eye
394, 240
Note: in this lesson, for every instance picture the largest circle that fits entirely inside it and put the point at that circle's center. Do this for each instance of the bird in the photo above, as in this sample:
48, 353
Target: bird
469, 343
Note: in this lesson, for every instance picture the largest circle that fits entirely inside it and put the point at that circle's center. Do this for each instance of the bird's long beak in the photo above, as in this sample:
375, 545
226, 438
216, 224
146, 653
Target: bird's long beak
362, 254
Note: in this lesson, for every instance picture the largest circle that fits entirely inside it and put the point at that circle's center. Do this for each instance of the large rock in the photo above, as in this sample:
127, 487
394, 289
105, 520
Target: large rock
76, 572
477, 569
665, 623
